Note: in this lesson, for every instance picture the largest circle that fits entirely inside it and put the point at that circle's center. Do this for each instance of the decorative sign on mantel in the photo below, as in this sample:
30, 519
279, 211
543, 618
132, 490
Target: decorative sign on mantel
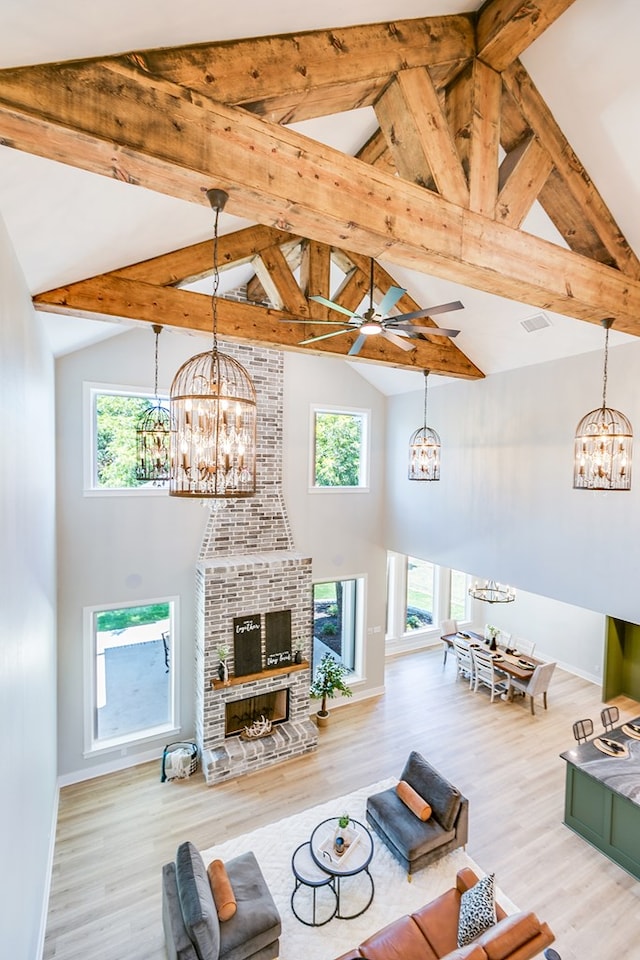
247, 645
278, 638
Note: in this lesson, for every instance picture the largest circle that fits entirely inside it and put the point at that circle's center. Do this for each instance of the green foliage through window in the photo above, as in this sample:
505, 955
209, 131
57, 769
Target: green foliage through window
116, 419
338, 449
131, 616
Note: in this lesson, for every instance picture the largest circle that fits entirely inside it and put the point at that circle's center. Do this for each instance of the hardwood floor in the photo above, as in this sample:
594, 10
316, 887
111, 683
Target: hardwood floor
115, 832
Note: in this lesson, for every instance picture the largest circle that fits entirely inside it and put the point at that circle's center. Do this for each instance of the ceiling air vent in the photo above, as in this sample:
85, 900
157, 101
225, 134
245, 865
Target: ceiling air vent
538, 322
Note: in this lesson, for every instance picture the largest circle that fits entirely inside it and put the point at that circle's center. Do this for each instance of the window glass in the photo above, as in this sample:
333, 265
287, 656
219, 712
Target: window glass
335, 608
132, 672
458, 598
339, 444
115, 416
419, 607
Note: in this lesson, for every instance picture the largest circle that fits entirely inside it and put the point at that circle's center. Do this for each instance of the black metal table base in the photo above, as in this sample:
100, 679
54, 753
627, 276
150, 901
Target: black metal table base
358, 913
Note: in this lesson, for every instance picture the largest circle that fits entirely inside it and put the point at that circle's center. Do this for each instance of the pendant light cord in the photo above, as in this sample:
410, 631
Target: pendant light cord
606, 360
426, 374
217, 199
157, 329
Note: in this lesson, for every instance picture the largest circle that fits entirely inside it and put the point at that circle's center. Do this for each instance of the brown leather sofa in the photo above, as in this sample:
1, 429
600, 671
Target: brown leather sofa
431, 933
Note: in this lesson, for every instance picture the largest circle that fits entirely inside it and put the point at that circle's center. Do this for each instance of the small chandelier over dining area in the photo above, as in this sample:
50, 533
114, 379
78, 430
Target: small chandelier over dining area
153, 435
213, 409
492, 592
424, 448
603, 442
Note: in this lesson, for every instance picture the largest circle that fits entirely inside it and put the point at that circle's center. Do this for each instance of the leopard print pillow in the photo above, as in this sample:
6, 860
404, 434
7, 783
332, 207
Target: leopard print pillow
477, 910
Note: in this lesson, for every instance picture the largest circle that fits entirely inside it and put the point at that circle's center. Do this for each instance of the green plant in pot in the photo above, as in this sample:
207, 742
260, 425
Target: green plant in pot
328, 681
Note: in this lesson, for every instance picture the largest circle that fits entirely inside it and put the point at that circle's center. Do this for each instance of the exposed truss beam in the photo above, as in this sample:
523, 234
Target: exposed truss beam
506, 28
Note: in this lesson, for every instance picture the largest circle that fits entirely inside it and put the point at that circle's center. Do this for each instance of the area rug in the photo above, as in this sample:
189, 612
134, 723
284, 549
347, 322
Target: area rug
394, 896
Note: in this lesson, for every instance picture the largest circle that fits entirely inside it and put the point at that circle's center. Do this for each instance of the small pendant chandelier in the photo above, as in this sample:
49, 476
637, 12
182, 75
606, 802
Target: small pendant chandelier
424, 448
213, 409
153, 436
492, 592
603, 443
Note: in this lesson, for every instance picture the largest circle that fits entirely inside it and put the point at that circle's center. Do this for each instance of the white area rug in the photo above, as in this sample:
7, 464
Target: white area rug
274, 845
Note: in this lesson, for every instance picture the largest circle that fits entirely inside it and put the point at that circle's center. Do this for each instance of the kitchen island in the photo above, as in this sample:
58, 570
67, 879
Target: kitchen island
602, 793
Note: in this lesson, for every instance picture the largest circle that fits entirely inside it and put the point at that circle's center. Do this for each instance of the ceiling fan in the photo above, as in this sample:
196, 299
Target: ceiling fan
397, 329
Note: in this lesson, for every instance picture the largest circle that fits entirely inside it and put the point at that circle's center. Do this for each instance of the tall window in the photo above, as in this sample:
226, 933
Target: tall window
337, 620
131, 672
113, 416
340, 452
420, 589
458, 597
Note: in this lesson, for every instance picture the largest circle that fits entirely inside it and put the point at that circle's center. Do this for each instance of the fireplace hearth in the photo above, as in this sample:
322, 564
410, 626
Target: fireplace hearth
242, 713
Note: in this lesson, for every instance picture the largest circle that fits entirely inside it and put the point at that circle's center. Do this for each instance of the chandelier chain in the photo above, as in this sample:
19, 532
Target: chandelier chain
426, 374
606, 360
216, 282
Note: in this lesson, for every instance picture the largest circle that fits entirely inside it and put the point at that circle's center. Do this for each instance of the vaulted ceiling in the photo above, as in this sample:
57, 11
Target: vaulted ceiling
463, 149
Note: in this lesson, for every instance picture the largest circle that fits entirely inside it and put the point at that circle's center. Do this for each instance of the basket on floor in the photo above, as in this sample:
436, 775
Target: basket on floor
179, 760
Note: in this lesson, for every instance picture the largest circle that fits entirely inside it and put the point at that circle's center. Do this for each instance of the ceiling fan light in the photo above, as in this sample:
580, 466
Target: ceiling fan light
370, 328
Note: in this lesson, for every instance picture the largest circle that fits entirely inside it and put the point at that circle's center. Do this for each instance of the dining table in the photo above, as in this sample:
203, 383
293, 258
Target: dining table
516, 666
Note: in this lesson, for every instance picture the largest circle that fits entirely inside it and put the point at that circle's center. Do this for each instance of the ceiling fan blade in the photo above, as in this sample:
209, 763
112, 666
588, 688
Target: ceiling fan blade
429, 311
390, 299
310, 322
324, 336
358, 345
411, 329
398, 341
336, 306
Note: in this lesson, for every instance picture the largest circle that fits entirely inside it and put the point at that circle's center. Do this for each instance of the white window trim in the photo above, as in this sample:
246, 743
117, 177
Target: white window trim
93, 747
90, 487
356, 675
363, 486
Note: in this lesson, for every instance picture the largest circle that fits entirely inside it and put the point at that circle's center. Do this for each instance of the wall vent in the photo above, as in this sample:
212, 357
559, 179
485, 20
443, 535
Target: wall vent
538, 322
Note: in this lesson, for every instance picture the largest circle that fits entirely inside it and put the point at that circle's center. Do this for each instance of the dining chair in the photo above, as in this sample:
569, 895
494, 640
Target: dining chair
486, 673
447, 628
582, 730
609, 717
464, 659
524, 646
536, 685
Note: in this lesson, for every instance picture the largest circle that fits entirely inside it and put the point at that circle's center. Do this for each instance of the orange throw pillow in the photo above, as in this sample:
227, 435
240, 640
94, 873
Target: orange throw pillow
221, 889
413, 800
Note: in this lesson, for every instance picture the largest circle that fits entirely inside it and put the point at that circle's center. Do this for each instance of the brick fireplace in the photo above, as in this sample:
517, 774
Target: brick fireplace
248, 565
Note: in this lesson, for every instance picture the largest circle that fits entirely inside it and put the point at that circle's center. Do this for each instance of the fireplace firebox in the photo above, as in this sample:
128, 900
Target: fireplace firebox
273, 706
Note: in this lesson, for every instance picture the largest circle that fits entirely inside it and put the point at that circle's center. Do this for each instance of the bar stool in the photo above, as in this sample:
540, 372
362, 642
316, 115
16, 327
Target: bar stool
308, 874
609, 717
582, 730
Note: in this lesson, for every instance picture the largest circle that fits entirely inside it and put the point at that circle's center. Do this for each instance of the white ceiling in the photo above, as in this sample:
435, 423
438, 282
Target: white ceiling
66, 224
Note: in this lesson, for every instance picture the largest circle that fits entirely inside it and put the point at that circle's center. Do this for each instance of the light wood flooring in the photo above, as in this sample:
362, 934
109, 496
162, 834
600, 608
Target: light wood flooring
115, 832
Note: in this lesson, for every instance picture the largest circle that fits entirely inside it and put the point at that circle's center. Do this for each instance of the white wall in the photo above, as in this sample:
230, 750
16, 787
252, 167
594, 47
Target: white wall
121, 549
505, 506
342, 532
27, 624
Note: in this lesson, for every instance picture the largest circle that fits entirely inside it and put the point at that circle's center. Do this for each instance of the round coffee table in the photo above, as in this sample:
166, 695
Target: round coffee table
309, 874
353, 862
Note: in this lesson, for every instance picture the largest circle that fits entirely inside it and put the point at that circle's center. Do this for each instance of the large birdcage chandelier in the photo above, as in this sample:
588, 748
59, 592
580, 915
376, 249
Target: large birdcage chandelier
424, 448
213, 409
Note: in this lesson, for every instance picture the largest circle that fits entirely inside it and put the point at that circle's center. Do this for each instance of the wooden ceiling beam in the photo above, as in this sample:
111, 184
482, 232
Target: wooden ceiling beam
279, 282
505, 28
296, 76
473, 110
110, 296
150, 132
315, 274
575, 178
523, 174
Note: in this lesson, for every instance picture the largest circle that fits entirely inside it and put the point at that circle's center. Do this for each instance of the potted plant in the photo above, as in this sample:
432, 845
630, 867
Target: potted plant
329, 680
223, 667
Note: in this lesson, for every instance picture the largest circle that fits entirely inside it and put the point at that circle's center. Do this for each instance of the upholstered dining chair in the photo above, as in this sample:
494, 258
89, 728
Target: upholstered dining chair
537, 684
485, 672
464, 659
609, 717
524, 646
582, 729
447, 629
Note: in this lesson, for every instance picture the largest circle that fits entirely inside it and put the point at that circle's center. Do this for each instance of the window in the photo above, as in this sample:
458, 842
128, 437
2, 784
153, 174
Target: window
420, 589
113, 415
458, 596
420, 595
339, 449
337, 620
131, 672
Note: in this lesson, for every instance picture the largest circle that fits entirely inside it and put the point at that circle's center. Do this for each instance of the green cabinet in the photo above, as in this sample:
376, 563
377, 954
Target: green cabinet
606, 819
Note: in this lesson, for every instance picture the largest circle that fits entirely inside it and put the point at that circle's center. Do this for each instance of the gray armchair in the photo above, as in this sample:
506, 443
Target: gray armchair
537, 684
413, 842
